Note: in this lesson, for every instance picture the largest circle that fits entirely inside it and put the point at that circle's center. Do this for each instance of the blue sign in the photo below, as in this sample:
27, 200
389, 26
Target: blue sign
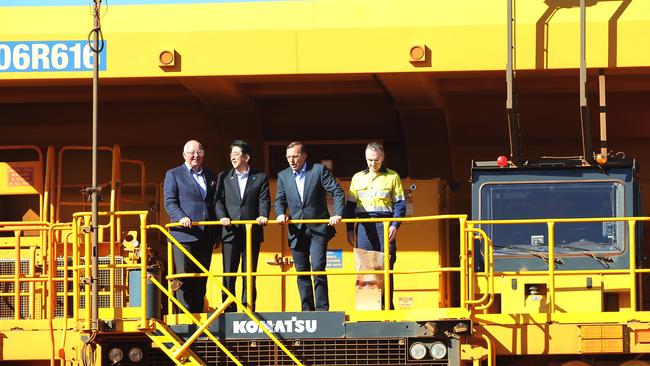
335, 258
48, 56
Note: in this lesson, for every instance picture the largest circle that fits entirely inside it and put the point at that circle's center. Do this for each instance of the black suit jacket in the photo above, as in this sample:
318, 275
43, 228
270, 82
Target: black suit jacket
255, 202
318, 182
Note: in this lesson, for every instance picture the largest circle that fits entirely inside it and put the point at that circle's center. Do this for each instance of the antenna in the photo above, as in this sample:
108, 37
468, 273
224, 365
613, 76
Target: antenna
514, 131
602, 157
584, 108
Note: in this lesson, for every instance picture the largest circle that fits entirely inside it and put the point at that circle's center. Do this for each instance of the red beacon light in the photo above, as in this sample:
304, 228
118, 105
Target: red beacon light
502, 161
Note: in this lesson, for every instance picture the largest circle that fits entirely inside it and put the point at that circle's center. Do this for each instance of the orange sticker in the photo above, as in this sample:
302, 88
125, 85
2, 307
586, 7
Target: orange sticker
20, 177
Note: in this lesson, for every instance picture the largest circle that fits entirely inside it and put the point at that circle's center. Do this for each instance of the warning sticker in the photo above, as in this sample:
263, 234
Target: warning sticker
20, 176
335, 258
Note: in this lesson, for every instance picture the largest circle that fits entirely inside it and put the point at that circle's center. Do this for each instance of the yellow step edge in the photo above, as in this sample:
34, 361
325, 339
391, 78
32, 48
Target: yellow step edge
168, 342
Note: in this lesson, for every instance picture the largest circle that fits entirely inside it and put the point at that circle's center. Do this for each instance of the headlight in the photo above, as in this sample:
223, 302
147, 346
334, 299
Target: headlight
115, 355
438, 350
418, 350
136, 354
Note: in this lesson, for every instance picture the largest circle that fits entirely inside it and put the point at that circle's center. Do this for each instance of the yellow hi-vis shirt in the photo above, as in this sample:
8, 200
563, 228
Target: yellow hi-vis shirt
376, 195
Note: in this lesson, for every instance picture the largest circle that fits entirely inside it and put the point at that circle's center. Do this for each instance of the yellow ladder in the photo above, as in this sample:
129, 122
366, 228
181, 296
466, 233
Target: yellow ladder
170, 343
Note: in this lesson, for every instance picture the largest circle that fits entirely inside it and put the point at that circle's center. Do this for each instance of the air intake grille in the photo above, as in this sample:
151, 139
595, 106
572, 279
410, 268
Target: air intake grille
104, 286
7, 307
387, 351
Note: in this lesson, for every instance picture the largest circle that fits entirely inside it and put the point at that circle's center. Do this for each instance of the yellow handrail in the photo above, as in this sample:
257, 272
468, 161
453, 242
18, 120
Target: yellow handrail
551, 273
386, 272
230, 295
488, 259
172, 299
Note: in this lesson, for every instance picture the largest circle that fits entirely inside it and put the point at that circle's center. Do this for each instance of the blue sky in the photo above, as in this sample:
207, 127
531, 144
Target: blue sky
113, 2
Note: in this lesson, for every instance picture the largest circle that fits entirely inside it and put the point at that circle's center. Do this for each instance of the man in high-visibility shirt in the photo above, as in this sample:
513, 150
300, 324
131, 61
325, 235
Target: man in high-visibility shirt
375, 192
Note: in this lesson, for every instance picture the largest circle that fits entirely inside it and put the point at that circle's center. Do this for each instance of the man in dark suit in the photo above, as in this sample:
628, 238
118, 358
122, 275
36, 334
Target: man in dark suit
243, 195
189, 197
302, 190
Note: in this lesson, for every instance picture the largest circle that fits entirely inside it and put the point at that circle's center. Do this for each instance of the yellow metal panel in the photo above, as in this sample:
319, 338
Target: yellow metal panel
571, 294
571, 300
591, 332
533, 339
612, 331
338, 36
643, 336
21, 345
612, 345
566, 318
591, 346
602, 346
639, 337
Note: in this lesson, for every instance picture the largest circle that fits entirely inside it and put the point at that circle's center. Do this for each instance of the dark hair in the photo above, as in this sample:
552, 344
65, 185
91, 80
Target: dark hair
303, 149
246, 149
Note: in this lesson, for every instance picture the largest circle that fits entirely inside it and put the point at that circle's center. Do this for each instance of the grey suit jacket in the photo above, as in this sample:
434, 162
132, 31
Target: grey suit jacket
318, 182
255, 202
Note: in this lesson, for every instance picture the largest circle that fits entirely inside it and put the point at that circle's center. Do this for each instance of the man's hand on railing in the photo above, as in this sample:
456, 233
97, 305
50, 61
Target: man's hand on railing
335, 220
262, 220
282, 219
185, 222
225, 221
392, 233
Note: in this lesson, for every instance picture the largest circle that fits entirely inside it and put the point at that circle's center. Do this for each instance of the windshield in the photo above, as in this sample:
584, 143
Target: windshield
543, 200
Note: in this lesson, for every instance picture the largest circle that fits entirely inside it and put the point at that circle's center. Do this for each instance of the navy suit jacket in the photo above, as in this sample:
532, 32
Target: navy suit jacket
255, 202
183, 199
318, 182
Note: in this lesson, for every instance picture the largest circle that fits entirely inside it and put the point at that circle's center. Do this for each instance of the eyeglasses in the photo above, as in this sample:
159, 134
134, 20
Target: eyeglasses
197, 153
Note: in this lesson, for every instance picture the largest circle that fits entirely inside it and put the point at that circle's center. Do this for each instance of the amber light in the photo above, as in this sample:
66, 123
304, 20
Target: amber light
417, 53
166, 58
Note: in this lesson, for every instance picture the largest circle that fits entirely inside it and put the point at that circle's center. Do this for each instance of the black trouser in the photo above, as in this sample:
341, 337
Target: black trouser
192, 290
233, 252
316, 248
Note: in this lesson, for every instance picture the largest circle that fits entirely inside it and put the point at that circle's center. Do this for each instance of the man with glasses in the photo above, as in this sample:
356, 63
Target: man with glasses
302, 194
189, 197
243, 195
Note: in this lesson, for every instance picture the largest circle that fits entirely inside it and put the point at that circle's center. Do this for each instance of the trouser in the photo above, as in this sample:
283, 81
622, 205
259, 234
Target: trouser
233, 252
192, 290
316, 248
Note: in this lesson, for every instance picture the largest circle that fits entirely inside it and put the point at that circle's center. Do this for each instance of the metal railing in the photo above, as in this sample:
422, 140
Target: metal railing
77, 239
386, 271
249, 274
551, 272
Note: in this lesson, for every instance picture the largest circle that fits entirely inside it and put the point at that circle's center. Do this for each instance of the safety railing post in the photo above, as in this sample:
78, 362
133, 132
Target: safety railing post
632, 284
387, 288
471, 258
551, 267
143, 269
463, 263
17, 276
488, 262
87, 272
249, 266
170, 271
75, 272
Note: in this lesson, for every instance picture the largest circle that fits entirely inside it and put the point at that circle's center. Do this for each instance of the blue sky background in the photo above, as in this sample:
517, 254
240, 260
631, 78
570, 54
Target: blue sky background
114, 2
